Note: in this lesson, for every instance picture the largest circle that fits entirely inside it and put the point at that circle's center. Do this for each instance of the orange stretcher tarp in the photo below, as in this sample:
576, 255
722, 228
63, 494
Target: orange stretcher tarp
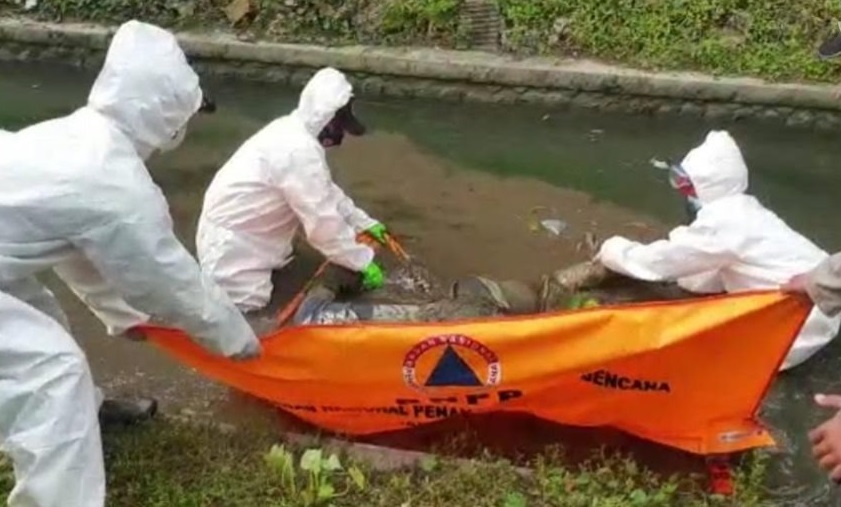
688, 374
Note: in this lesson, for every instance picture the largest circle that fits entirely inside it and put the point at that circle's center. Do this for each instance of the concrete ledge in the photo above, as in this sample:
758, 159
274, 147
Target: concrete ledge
457, 75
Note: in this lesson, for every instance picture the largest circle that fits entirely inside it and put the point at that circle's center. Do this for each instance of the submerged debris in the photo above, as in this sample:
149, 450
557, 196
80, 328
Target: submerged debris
554, 226
550, 223
660, 164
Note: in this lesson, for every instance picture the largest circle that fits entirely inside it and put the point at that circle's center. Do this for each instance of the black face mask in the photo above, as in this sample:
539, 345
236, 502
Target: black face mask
208, 105
691, 212
344, 121
332, 135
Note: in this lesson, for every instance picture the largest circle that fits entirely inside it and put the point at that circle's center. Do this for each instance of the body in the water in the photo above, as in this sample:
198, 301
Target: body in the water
413, 294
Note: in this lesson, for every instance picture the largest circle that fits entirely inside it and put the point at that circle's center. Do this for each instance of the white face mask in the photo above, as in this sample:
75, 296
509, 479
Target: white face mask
175, 142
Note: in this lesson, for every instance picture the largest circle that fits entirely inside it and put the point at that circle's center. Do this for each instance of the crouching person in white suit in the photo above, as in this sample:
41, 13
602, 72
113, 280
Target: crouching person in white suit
734, 244
277, 183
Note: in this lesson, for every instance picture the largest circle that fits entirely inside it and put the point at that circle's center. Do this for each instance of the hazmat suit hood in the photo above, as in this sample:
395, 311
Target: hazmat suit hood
327, 92
716, 168
147, 87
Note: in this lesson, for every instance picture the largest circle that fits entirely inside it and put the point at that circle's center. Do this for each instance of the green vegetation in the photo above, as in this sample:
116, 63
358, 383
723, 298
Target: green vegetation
581, 301
175, 464
770, 38
319, 21
775, 39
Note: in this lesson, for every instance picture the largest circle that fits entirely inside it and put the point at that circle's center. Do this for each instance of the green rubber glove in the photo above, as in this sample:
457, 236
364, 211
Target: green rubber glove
372, 277
378, 231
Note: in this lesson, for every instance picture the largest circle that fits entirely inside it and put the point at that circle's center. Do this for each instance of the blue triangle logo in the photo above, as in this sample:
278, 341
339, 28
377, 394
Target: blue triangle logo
451, 370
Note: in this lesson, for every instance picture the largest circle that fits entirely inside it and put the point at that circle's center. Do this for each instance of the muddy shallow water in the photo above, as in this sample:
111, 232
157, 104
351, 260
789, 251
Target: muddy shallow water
462, 185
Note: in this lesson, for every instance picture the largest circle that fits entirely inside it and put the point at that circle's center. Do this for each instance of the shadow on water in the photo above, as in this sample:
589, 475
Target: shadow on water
409, 173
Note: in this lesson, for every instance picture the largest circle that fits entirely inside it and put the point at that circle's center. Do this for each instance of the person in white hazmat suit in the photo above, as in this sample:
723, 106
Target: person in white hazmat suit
277, 182
75, 196
734, 244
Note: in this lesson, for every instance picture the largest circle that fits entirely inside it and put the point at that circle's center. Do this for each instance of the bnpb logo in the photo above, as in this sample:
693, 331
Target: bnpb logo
452, 360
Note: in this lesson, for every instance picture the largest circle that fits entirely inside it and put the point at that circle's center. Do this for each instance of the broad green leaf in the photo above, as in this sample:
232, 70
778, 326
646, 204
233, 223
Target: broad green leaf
280, 459
326, 491
639, 497
428, 463
332, 463
515, 499
311, 460
358, 477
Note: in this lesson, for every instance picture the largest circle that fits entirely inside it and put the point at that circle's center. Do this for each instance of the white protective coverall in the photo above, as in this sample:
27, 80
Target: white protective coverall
75, 196
278, 180
734, 244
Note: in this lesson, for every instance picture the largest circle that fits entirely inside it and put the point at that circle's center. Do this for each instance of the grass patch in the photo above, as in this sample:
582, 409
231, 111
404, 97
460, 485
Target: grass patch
426, 22
774, 39
171, 463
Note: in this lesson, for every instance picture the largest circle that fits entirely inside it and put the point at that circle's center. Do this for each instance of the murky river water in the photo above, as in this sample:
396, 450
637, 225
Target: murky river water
460, 182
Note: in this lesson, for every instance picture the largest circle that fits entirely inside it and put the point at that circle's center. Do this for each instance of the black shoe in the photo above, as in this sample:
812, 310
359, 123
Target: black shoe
127, 412
830, 48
